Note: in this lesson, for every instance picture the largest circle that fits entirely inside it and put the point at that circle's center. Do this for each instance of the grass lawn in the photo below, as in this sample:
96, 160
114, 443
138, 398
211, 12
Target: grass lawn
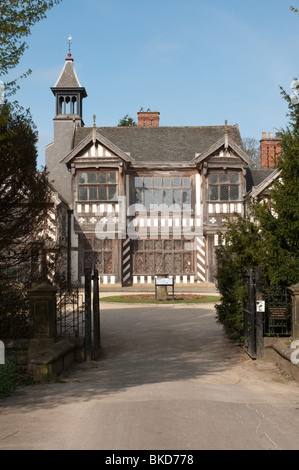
150, 299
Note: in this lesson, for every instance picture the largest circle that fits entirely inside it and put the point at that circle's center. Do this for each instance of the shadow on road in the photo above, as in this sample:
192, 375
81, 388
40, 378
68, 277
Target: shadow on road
140, 345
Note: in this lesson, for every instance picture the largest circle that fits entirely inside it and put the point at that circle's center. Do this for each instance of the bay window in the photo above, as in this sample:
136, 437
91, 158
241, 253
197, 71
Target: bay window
97, 185
167, 190
224, 186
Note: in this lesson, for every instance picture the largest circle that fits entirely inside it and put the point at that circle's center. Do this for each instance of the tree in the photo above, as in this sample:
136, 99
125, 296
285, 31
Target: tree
269, 238
16, 20
24, 205
286, 189
252, 148
24, 193
239, 248
127, 121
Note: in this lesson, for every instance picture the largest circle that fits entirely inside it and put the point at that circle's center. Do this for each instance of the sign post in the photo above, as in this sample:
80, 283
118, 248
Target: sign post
164, 282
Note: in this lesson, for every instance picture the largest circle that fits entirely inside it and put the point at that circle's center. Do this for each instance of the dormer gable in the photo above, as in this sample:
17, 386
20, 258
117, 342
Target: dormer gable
224, 151
96, 149
265, 186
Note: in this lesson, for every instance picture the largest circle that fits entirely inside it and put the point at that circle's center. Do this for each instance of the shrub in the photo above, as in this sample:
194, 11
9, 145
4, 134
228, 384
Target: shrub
267, 237
14, 311
8, 378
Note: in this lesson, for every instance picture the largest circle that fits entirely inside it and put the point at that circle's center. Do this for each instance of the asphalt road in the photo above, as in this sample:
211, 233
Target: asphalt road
167, 379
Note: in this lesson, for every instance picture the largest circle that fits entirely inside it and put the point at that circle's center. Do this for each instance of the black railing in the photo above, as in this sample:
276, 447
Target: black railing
278, 314
92, 315
70, 313
267, 312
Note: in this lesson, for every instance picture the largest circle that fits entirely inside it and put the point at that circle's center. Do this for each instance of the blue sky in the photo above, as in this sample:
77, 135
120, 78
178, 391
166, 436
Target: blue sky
198, 62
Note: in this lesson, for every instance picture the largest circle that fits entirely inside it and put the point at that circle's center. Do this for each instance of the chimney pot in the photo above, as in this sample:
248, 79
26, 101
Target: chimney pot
148, 118
270, 149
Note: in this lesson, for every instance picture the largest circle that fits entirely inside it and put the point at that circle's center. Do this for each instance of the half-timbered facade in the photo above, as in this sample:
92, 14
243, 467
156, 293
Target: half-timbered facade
148, 200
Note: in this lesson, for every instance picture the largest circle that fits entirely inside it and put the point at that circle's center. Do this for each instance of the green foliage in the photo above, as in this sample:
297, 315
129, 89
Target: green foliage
268, 239
8, 378
14, 310
238, 251
230, 309
24, 193
17, 17
24, 209
148, 299
127, 121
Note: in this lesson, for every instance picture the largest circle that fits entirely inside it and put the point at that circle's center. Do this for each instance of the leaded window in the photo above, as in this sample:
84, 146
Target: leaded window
98, 254
167, 190
224, 186
156, 257
97, 185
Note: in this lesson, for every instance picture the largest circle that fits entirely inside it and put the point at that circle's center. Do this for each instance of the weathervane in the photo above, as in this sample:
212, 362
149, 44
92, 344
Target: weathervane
69, 43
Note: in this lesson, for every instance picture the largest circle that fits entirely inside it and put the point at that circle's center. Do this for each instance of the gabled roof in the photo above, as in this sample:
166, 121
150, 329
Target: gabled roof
256, 176
217, 146
91, 138
257, 190
162, 144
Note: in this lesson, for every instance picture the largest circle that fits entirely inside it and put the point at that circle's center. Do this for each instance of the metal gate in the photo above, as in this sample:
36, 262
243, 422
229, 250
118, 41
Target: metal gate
266, 313
78, 314
278, 316
253, 318
92, 315
70, 313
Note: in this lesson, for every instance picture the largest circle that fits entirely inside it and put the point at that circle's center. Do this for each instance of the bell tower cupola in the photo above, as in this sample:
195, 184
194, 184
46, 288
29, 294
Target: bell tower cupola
69, 93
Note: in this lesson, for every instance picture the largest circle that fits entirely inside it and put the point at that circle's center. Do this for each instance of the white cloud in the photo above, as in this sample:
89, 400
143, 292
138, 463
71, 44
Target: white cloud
159, 47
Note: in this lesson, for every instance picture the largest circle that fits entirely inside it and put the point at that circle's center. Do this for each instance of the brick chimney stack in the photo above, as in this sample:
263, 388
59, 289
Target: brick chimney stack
270, 149
148, 118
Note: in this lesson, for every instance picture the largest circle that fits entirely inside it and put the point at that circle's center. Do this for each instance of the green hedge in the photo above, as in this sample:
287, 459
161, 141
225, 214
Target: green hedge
8, 378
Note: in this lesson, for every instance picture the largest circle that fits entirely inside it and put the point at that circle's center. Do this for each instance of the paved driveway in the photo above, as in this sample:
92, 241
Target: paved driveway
166, 379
